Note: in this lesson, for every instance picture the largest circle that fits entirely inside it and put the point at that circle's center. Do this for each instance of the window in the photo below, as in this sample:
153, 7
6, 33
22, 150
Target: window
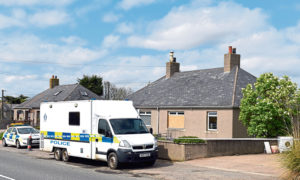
14, 130
57, 93
128, 126
176, 119
103, 127
146, 117
9, 130
212, 120
74, 118
83, 93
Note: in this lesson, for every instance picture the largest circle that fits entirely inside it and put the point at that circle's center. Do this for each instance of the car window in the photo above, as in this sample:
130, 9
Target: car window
9, 130
14, 130
27, 130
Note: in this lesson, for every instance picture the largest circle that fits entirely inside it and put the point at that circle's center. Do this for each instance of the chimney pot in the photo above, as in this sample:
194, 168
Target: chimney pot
234, 50
230, 49
52, 76
172, 66
171, 56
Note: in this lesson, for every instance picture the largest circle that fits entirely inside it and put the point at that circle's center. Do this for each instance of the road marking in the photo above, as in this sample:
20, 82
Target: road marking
6, 177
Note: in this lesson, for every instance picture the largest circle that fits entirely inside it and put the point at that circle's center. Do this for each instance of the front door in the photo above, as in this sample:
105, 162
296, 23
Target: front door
104, 140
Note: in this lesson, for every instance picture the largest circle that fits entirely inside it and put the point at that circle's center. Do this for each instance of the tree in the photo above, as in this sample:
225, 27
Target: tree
112, 92
15, 100
93, 83
266, 108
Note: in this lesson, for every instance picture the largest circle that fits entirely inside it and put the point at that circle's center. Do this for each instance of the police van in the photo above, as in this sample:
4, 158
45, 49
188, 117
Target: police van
110, 131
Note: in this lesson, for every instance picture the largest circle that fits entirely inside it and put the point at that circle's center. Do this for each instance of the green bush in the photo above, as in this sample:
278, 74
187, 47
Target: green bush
291, 160
186, 140
1, 135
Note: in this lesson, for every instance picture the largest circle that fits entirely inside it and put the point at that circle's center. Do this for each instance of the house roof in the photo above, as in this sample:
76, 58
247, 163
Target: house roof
200, 88
69, 92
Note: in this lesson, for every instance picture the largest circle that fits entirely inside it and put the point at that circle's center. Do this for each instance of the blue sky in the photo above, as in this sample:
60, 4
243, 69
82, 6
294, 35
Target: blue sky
127, 41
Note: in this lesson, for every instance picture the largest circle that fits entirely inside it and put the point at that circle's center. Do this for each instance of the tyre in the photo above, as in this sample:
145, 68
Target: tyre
113, 161
57, 154
4, 143
65, 155
150, 163
18, 145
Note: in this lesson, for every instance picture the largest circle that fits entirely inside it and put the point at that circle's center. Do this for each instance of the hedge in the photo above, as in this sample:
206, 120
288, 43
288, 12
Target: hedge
186, 140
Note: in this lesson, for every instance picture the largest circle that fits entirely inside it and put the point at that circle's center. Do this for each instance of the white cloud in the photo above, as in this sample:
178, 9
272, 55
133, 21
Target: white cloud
74, 40
111, 41
35, 2
49, 18
11, 78
32, 48
125, 28
111, 17
128, 4
186, 27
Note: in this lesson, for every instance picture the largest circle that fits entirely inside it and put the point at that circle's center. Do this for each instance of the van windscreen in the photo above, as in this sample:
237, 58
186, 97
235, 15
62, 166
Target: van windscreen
128, 126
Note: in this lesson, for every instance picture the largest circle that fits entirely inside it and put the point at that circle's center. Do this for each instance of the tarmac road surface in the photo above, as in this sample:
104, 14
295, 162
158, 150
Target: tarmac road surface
14, 166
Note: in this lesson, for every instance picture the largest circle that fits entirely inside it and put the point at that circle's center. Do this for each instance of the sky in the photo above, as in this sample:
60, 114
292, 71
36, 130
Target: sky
127, 42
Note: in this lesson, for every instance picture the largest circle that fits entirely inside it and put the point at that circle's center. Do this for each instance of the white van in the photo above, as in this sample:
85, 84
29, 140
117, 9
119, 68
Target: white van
96, 129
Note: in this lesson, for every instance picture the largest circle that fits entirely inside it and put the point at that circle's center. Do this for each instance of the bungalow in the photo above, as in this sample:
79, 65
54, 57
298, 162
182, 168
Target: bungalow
29, 111
203, 103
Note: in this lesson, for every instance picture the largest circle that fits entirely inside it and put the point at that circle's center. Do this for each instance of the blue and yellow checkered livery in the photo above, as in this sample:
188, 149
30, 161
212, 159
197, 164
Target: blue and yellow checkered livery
79, 137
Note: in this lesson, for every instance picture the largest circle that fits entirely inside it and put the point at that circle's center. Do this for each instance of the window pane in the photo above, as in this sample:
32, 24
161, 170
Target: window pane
212, 113
180, 113
172, 113
146, 119
74, 118
212, 123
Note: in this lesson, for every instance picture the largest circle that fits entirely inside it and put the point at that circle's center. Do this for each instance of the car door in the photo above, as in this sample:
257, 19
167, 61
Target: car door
7, 136
105, 140
14, 134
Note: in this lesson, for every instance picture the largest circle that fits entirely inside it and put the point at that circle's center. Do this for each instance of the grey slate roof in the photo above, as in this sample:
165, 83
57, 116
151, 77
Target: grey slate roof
200, 88
70, 92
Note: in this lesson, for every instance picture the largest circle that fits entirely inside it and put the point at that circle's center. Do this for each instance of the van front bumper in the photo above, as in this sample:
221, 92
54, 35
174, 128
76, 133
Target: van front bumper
127, 155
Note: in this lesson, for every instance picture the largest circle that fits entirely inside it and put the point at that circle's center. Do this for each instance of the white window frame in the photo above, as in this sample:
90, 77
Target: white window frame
214, 115
176, 113
145, 113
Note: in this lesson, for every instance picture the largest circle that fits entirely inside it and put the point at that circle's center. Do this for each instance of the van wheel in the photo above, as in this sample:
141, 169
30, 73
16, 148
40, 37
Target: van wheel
4, 143
150, 163
65, 156
18, 144
113, 162
57, 154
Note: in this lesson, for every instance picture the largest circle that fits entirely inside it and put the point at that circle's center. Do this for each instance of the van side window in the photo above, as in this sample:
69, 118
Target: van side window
103, 127
74, 118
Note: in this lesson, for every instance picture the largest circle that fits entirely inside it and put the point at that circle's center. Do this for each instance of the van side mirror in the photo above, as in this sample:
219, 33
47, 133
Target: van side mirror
151, 130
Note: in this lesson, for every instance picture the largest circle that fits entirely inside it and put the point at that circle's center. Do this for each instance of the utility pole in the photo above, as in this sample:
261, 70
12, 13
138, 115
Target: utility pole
2, 109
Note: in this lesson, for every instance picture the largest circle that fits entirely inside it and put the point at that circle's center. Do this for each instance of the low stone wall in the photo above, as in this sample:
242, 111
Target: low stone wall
212, 147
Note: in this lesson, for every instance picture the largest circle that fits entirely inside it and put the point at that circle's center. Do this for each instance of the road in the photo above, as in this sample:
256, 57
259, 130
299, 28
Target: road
20, 166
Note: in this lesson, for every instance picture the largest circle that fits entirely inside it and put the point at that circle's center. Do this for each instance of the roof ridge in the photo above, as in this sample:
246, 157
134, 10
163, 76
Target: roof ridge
76, 85
234, 84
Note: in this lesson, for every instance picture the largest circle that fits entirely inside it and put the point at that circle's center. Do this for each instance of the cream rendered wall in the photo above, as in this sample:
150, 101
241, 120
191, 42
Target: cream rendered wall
196, 123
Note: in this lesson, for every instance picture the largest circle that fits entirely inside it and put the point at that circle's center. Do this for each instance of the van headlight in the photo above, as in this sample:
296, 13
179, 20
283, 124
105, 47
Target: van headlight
155, 143
125, 144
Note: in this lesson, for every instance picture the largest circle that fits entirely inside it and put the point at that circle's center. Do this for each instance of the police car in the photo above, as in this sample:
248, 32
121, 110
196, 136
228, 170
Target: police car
18, 136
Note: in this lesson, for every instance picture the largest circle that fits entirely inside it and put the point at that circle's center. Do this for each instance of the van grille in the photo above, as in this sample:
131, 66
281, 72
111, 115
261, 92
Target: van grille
140, 147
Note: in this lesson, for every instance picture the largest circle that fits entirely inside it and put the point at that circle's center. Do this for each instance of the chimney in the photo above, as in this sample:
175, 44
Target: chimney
54, 82
231, 59
172, 66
